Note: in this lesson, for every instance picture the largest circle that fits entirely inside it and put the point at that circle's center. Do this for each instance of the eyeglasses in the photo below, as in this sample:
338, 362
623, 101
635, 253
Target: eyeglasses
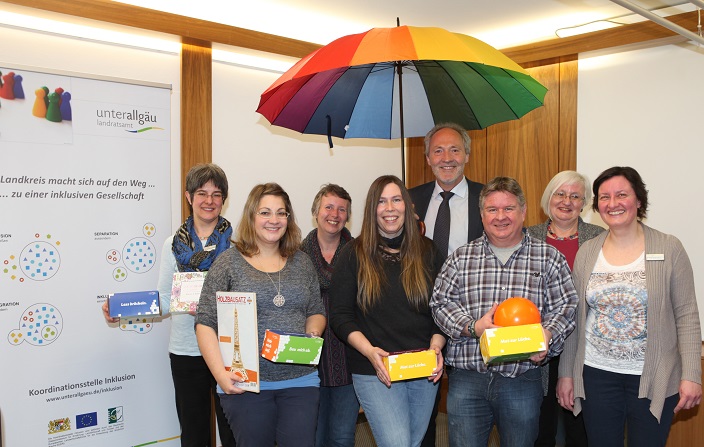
267, 213
202, 195
562, 195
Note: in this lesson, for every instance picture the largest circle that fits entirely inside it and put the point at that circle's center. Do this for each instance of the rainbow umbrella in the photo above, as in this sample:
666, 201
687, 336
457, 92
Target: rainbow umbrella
399, 82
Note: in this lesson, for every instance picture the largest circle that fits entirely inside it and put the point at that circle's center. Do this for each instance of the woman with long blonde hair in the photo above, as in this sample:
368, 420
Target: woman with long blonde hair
379, 304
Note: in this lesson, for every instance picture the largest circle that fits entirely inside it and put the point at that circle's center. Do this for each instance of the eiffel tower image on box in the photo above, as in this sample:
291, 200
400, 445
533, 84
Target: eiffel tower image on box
237, 365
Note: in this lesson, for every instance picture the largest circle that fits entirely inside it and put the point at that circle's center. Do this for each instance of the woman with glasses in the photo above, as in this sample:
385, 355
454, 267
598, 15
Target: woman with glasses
562, 201
194, 247
380, 291
634, 358
266, 260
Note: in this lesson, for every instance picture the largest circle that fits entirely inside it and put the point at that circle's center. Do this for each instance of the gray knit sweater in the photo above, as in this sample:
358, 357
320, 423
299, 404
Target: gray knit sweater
299, 285
674, 345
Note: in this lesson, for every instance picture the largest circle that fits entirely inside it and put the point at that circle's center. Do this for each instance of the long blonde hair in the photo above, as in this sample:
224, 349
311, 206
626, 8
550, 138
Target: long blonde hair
415, 275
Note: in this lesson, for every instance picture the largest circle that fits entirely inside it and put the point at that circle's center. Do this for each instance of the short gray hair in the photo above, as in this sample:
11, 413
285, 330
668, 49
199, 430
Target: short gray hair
561, 179
331, 189
466, 140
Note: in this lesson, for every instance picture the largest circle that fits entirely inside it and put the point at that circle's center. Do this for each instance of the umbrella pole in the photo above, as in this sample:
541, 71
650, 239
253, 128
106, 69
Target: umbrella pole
399, 69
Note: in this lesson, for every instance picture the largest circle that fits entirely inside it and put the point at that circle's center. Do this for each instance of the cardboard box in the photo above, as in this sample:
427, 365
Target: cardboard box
185, 291
134, 304
511, 343
238, 336
284, 347
411, 364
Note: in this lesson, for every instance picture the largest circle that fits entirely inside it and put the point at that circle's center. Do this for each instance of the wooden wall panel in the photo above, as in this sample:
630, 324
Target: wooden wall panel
196, 108
688, 426
415, 160
567, 147
527, 149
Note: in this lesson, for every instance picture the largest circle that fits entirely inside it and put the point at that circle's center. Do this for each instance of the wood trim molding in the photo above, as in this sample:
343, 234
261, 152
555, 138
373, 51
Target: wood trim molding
196, 95
177, 25
599, 40
149, 19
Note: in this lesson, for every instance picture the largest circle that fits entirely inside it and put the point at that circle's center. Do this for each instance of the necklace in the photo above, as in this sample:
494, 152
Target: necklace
556, 237
279, 299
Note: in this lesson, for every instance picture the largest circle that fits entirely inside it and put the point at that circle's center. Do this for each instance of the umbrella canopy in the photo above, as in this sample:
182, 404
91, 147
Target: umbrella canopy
351, 87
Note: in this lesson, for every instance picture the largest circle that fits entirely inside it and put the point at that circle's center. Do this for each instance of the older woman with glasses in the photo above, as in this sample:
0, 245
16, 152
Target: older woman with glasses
563, 201
266, 260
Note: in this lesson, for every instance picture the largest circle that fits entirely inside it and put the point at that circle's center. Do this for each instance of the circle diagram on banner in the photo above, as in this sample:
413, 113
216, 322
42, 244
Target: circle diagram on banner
139, 255
39, 325
39, 260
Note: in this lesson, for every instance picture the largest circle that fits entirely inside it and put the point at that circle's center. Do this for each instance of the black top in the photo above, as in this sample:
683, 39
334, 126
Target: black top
392, 324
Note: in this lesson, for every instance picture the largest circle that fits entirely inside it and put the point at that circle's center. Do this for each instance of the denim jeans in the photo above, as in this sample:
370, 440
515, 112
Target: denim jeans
337, 416
611, 403
477, 401
398, 416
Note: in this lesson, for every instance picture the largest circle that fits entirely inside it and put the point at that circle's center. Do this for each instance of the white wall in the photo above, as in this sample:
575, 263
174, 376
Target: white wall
251, 151
644, 108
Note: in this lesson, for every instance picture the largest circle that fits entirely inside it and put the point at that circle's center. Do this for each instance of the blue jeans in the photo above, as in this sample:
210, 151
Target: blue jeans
398, 416
611, 403
285, 417
337, 416
477, 401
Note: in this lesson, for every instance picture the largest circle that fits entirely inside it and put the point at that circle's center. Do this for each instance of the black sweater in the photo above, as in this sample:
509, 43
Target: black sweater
392, 324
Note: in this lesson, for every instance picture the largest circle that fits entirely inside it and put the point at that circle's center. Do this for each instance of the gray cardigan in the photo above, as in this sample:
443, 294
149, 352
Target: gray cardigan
673, 351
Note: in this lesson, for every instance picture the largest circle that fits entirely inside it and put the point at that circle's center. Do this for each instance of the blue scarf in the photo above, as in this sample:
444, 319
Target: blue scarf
188, 249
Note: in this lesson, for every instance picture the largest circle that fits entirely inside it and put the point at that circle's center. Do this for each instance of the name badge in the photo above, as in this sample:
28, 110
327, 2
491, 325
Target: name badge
209, 248
654, 256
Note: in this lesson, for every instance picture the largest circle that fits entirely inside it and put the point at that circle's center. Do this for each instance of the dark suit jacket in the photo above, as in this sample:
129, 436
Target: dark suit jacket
421, 196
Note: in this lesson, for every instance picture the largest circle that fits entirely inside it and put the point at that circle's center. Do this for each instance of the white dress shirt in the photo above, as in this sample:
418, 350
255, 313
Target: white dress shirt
459, 214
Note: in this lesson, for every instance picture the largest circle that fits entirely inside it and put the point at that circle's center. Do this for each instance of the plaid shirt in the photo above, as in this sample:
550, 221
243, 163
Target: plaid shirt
473, 278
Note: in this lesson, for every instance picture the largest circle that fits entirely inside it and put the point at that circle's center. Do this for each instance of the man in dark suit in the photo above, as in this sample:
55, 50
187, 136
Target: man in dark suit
447, 149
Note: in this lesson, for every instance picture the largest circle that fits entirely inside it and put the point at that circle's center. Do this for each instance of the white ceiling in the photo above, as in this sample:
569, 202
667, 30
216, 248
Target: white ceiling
501, 23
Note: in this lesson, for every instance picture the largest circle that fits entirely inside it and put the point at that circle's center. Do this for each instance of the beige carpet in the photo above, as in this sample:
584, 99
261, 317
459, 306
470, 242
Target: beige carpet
364, 437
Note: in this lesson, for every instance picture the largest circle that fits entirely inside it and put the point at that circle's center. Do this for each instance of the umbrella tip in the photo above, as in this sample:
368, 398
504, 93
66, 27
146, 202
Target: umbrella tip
398, 21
